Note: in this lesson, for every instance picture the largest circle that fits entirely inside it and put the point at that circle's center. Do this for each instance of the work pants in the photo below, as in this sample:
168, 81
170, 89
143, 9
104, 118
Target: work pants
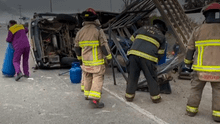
17, 58
148, 67
194, 99
93, 83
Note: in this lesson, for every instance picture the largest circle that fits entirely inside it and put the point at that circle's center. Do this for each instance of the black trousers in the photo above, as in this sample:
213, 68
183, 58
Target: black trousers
149, 69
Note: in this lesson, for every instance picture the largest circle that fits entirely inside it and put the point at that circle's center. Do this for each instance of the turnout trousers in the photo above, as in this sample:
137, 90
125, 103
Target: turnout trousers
93, 83
149, 69
194, 99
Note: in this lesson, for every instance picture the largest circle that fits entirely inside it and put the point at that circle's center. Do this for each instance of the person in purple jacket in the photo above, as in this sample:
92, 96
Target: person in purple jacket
17, 36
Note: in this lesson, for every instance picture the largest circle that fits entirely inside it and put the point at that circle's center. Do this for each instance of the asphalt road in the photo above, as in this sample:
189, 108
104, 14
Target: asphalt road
46, 98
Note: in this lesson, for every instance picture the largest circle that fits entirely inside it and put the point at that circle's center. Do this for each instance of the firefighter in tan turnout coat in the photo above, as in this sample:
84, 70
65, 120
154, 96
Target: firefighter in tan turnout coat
204, 55
92, 48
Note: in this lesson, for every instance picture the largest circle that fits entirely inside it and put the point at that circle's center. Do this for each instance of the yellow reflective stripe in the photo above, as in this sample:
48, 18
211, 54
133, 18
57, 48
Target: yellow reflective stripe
206, 68
191, 109
109, 56
161, 51
82, 52
152, 40
93, 53
201, 55
155, 97
143, 55
216, 113
82, 87
198, 58
96, 53
187, 61
129, 95
214, 42
95, 94
94, 63
132, 38
79, 57
16, 28
86, 93
88, 43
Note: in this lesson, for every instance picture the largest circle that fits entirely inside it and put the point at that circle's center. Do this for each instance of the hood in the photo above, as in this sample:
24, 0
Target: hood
96, 22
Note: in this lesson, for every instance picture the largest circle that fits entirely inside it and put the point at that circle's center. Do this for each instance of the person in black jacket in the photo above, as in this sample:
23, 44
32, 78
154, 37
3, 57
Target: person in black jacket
147, 49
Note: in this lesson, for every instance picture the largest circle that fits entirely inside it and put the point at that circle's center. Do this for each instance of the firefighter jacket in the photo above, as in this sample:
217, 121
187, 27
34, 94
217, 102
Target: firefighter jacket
91, 45
149, 43
203, 52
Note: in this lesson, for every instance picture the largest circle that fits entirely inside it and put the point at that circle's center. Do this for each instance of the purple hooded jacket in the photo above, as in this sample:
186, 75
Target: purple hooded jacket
17, 36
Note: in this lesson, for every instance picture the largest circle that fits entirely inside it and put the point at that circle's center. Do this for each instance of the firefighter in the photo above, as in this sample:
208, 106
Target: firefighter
17, 36
147, 49
92, 49
203, 55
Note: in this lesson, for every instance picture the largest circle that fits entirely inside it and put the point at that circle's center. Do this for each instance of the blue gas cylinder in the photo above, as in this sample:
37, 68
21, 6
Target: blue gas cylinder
8, 67
75, 73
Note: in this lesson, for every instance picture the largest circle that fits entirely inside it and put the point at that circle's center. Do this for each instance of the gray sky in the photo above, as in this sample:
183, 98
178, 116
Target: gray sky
9, 9
58, 5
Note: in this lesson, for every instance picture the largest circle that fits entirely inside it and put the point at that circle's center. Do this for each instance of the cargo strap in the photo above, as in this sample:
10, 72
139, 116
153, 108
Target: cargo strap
216, 113
186, 61
15, 28
201, 45
149, 39
161, 51
129, 95
143, 55
191, 109
94, 45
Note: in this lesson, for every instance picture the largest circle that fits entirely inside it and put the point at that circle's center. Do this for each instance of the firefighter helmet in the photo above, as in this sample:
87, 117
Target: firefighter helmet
211, 7
161, 25
89, 15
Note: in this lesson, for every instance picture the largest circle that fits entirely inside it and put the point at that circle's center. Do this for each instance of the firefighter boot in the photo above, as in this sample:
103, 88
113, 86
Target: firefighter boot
191, 114
19, 75
129, 97
216, 119
156, 99
96, 104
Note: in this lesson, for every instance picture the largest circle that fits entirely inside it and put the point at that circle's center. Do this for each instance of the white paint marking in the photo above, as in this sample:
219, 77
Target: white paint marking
62, 80
114, 106
103, 111
139, 109
31, 79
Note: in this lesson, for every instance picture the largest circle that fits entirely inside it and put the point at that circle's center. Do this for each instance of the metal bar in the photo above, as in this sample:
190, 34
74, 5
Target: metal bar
112, 65
63, 73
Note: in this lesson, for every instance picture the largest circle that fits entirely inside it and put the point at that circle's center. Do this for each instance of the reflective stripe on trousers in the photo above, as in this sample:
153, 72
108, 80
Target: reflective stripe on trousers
191, 109
216, 113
